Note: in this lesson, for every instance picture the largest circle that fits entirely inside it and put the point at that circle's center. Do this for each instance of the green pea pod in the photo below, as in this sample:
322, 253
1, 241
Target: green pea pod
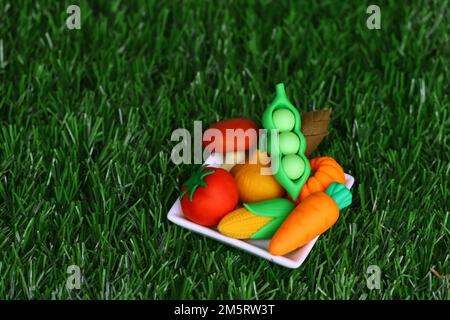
290, 166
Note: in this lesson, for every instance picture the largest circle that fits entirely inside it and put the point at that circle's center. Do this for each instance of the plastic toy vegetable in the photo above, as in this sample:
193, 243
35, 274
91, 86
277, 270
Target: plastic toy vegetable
290, 166
259, 220
312, 217
208, 195
234, 144
326, 171
254, 186
315, 128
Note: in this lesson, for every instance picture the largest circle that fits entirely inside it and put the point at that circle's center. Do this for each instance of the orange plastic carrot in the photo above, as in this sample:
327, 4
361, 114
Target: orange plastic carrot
312, 217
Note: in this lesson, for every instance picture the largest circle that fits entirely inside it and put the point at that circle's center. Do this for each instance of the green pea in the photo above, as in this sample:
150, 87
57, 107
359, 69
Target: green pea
283, 119
289, 143
293, 165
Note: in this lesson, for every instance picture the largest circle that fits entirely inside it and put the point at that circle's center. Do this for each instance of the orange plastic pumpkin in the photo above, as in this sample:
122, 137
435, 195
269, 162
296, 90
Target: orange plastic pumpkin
326, 171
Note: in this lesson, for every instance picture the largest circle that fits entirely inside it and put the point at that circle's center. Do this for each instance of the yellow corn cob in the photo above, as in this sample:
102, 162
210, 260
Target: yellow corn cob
241, 224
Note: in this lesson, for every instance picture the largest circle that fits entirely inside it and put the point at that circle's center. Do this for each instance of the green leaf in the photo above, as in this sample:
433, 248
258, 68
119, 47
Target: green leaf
272, 208
267, 231
195, 181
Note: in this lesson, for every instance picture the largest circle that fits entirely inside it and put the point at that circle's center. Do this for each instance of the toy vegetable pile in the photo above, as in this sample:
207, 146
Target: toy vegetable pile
280, 195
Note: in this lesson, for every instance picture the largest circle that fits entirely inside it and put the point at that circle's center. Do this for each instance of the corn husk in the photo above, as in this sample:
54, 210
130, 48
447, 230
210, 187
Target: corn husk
315, 128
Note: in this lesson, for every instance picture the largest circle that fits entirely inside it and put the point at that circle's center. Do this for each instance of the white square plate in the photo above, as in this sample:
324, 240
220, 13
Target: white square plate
257, 247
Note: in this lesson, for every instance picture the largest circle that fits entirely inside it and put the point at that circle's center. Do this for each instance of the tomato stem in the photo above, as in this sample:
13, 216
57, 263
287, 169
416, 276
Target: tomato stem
194, 181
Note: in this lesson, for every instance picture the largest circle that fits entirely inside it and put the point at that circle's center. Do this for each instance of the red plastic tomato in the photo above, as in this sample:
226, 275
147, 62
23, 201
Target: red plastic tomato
208, 195
232, 143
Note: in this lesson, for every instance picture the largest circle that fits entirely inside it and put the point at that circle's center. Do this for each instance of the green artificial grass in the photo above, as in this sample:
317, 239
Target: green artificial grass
86, 118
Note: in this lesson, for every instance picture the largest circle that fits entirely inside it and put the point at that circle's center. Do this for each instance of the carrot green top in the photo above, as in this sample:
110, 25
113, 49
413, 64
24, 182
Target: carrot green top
340, 194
